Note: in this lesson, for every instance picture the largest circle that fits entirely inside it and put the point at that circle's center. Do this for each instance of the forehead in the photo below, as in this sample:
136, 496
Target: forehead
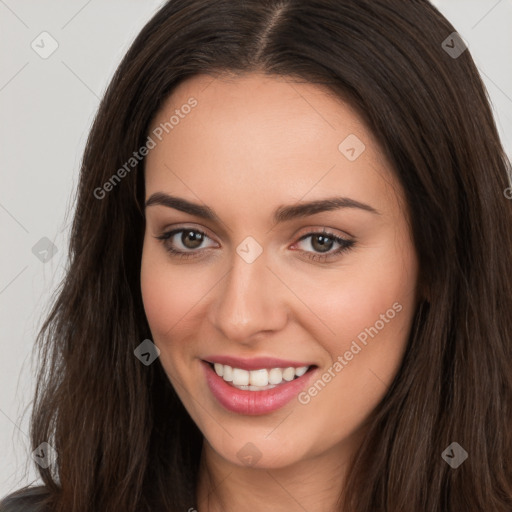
257, 136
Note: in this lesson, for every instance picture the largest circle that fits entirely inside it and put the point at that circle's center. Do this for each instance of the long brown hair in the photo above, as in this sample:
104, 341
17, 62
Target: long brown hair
124, 440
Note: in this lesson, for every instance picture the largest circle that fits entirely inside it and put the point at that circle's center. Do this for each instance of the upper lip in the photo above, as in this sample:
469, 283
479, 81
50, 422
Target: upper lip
255, 363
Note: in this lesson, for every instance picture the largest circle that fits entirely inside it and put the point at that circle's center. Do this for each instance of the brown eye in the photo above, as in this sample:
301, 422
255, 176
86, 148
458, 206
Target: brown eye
184, 243
322, 243
192, 239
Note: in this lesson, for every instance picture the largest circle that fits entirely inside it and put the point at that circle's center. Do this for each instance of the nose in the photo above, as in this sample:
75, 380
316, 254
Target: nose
249, 301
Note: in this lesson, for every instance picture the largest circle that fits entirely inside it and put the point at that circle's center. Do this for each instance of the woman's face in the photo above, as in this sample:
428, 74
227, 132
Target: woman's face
256, 287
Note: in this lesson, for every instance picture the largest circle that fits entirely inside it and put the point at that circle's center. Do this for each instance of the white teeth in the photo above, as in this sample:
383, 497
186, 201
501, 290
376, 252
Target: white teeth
219, 369
227, 373
256, 388
301, 371
275, 376
258, 380
289, 373
240, 377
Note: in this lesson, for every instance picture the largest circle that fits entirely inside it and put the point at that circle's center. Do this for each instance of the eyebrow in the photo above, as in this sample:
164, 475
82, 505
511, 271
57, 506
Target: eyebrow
281, 214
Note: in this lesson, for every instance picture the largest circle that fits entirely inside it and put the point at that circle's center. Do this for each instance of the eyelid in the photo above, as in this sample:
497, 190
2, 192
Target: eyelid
167, 234
179, 227
315, 230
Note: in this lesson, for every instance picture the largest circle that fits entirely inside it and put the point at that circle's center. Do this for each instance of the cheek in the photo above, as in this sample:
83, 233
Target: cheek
370, 314
370, 302
165, 293
168, 297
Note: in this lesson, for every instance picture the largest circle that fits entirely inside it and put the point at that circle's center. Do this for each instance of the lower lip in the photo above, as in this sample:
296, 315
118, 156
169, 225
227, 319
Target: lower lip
254, 402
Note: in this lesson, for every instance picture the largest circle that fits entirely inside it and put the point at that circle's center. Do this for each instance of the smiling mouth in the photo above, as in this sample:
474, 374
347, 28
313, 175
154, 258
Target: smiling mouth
260, 379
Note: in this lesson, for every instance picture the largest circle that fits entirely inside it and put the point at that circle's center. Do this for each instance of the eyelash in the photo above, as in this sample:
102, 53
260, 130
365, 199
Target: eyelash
345, 244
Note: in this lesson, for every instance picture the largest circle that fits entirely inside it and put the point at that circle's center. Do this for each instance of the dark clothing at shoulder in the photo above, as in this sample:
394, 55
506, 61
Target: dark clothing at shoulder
29, 499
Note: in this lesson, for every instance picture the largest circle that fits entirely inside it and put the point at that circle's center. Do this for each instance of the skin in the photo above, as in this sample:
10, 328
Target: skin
254, 143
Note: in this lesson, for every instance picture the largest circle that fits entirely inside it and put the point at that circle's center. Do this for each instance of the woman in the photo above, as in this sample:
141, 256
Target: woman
289, 282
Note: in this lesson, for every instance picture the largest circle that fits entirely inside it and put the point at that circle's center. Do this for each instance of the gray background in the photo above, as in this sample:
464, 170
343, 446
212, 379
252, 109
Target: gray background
47, 106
